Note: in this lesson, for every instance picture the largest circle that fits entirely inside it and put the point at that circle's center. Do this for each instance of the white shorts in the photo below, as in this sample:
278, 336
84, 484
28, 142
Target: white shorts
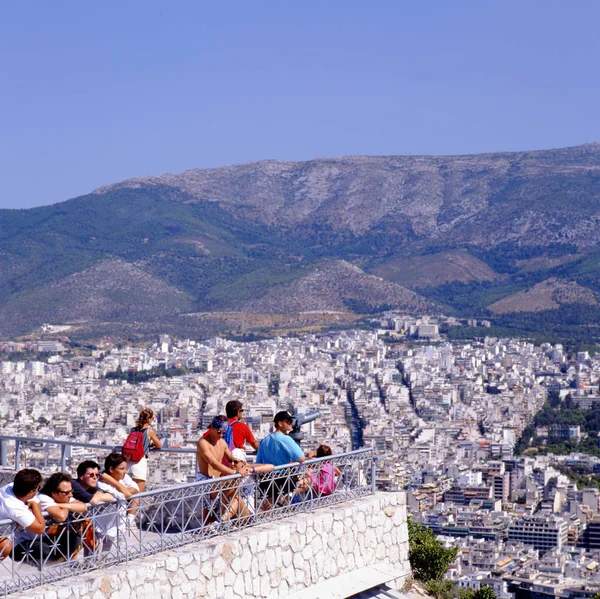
138, 470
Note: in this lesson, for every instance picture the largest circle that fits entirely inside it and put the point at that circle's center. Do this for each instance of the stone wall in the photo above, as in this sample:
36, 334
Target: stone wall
270, 560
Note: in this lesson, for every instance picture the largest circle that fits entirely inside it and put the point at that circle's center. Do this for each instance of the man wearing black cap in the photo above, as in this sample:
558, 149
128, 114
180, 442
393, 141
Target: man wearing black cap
278, 449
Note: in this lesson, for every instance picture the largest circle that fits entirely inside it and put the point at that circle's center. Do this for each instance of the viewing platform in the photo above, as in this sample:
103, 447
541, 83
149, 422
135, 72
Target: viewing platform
178, 541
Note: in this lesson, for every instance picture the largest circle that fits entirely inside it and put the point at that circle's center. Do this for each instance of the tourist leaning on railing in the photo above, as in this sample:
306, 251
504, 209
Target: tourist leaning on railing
56, 497
60, 540
115, 480
211, 451
278, 448
110, 521
85, 488
18, 503
247, 485
323, 477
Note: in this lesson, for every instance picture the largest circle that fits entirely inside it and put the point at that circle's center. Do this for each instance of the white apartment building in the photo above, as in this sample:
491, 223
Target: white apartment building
543, 533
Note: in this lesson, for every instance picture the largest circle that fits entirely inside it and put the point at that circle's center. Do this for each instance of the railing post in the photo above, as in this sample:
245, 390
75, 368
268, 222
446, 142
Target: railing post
64, 454
4, 452
17, 455
373, 473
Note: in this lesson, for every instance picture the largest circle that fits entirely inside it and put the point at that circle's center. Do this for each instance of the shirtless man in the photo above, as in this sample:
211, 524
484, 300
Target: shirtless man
210, 451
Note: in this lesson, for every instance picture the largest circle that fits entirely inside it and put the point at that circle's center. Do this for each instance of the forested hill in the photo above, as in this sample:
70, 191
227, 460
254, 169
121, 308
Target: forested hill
493, 235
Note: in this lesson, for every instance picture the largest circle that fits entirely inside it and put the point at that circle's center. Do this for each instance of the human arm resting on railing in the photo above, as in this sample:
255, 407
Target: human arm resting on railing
38, 526
60, 511
261, 468
309, 456
118, 485
101, 497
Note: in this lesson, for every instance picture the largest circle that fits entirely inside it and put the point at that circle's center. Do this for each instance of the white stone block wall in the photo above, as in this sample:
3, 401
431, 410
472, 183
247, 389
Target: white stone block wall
270, 560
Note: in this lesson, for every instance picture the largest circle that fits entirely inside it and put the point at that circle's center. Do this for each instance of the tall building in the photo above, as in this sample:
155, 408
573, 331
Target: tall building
501, 484
543, 534
591, 536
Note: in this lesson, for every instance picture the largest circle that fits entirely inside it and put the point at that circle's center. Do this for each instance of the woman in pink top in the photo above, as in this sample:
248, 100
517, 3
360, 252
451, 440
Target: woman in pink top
324, 479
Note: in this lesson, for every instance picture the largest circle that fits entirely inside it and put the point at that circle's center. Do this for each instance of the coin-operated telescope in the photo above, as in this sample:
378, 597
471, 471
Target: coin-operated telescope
299, 420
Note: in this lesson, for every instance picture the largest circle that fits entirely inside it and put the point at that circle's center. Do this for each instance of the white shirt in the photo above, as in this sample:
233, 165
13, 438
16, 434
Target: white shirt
127, 481
110, 517
14, 509
46, 501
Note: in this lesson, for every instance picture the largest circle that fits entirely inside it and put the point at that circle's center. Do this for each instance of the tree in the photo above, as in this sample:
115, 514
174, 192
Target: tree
429, 560
484, 592
554, 398
443, 589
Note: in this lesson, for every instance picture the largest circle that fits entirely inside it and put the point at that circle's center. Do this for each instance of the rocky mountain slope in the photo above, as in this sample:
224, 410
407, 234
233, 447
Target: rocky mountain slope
337, 286
547, 295
349, 234
113, 291
485, 199
435, 269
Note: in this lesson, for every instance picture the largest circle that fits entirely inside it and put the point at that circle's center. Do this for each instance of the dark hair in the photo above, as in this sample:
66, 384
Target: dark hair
323, 450
82, 468
52, 482
233, 407
145, 417
113, 460
26, 480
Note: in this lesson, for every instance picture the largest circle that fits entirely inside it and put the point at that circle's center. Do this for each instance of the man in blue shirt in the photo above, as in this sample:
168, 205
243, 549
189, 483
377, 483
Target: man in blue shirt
278, 449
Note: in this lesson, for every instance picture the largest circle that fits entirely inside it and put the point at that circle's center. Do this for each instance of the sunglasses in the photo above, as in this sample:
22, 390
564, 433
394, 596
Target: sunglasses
236, 462
92, 475
69, 492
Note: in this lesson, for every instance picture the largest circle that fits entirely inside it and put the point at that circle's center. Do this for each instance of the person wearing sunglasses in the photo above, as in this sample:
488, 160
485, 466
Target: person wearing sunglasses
211, 450
85, 487
59, 541
56, 497
240, 431
278, 448
248, 483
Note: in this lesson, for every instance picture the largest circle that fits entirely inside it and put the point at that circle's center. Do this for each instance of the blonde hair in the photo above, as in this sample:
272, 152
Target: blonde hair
145, 417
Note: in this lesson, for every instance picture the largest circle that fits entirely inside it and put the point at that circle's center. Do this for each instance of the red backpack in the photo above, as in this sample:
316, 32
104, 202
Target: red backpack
133, 449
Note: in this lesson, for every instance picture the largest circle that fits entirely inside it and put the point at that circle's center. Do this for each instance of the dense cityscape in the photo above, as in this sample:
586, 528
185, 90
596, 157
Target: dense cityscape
445, 419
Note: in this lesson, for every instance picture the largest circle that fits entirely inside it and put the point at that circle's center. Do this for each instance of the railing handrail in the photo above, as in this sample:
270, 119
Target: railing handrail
327, 457
90, 445
227, 477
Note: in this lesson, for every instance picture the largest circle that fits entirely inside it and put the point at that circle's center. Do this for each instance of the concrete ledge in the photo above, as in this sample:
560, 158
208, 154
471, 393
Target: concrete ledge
270, 560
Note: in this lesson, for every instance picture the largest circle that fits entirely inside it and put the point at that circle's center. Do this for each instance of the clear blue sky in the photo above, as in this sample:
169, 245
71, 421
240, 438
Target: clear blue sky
95, 92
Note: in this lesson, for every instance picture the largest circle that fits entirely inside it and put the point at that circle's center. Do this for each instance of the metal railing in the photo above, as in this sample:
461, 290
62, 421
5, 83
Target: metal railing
153, 521
44, 446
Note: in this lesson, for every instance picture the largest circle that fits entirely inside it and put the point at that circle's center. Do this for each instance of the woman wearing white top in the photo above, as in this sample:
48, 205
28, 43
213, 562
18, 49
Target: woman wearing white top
115, 480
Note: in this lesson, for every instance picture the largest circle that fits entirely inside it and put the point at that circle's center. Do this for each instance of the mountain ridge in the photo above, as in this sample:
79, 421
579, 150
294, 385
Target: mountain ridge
461, 232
